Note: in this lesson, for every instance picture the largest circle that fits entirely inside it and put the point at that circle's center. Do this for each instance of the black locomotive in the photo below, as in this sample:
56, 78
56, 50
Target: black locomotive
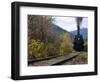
78, 39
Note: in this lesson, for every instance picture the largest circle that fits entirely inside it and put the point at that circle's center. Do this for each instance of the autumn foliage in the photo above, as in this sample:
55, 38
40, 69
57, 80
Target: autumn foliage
43, 42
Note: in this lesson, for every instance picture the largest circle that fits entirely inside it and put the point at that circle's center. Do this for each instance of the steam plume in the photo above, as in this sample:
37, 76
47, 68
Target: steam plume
79, 21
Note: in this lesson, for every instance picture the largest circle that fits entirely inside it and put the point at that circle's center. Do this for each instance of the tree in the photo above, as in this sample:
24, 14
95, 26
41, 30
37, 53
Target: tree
39, 27
40, 37
66, 45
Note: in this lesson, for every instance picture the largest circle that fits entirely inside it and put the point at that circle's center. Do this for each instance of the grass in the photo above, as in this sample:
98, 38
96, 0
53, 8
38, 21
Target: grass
82, 58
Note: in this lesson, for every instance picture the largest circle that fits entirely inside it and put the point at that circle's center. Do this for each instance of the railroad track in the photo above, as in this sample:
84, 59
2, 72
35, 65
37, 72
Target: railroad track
66, 60
56, 60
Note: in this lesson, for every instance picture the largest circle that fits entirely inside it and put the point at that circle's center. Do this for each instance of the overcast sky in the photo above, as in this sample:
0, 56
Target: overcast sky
69, 23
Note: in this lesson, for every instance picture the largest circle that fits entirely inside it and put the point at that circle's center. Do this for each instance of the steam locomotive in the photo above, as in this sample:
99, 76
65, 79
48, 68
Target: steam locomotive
78, 43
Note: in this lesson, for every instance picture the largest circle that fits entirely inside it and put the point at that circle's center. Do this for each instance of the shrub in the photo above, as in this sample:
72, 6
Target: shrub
51, 49
38, 49
85, 47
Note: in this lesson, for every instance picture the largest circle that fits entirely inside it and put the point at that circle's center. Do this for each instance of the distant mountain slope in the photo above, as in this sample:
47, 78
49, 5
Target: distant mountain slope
58, 29
83, 31
59, 32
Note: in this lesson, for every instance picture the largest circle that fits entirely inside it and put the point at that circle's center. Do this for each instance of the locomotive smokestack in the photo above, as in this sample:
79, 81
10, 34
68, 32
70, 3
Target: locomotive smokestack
79, 21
